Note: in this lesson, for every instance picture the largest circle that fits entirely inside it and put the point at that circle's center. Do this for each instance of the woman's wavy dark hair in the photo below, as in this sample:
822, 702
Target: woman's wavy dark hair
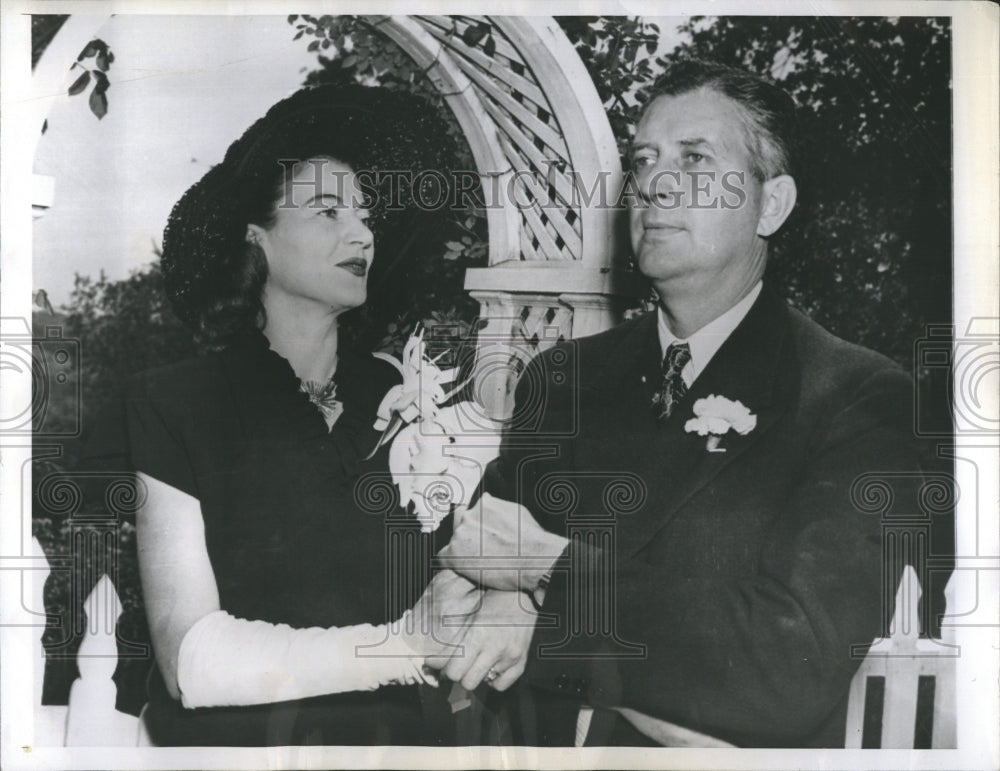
213, 277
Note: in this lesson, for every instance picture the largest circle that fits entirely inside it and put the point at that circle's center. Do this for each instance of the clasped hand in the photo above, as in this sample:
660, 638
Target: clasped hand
466, 631
499, 545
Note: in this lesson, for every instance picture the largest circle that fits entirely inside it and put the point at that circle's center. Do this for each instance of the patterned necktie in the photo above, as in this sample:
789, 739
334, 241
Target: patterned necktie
673, 388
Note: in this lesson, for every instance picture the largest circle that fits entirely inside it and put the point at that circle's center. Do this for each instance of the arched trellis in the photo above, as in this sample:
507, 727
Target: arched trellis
541, 142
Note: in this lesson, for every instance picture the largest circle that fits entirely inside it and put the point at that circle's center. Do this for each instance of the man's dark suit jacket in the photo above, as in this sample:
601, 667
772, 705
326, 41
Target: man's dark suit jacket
740, 579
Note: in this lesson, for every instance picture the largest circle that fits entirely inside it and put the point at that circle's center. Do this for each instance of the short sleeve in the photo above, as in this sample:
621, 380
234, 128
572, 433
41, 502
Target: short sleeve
156, 428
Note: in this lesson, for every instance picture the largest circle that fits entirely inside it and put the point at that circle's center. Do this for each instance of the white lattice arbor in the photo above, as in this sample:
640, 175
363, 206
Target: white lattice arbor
542, 144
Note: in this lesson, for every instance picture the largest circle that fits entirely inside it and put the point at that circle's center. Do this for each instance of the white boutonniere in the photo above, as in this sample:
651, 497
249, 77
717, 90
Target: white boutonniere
715, 416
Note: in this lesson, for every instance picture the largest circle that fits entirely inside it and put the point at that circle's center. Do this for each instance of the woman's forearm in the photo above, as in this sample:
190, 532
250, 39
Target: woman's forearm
226, 661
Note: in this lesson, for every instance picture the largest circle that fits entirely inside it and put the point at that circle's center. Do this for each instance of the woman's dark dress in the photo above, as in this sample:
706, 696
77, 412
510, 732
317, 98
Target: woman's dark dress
297, 525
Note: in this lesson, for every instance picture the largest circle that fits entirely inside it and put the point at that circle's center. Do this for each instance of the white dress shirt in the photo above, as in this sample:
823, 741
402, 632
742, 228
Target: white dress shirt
706, 341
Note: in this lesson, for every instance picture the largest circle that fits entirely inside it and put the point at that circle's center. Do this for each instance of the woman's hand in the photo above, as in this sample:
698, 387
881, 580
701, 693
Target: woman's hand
436, 623
495, 645
499, 545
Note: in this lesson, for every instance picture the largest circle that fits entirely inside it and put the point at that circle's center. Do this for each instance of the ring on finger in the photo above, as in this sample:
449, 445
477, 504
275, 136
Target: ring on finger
491, 675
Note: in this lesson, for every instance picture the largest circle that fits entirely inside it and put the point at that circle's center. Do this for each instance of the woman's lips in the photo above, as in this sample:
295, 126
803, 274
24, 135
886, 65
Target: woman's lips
356, 266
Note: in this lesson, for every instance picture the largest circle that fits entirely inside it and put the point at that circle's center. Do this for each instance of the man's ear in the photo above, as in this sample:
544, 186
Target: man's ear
777, 201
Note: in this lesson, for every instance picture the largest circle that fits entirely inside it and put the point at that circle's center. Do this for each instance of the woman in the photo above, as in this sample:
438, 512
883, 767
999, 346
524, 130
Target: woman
263, 574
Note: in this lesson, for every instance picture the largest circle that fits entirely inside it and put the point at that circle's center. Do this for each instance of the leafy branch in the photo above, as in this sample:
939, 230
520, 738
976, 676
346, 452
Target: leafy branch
102, 57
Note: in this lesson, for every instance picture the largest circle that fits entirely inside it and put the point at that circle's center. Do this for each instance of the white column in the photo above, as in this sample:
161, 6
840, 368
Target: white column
592, 313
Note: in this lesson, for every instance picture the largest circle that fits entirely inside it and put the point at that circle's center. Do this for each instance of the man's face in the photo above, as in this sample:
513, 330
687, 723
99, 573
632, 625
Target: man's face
696, 224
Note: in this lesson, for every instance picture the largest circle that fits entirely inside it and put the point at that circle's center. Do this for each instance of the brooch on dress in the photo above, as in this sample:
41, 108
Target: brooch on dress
325, 398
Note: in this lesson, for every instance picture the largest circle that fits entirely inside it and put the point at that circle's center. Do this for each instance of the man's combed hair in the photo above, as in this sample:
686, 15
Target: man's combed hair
213, 277
769, 112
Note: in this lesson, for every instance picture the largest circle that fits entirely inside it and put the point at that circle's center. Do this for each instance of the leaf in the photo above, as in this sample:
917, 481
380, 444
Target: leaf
299, 34
454, 246
651, 46
292, 17
102, 61
101, 82
88, 50
98, 103
349, 61
490, 46
80, 83
314, 45
326, 44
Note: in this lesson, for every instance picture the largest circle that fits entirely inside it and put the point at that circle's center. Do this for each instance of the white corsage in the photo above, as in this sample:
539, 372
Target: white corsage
437, 462
715, 416
422, 389
438, 453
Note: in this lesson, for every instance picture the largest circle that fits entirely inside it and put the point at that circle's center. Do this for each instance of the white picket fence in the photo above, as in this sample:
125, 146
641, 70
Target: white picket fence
903, 660
90, 718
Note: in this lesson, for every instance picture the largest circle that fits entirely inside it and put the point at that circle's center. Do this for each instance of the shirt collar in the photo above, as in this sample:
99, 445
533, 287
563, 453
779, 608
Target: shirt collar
706, 341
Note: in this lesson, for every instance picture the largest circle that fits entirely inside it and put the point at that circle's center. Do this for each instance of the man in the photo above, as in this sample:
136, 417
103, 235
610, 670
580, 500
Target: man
703, 570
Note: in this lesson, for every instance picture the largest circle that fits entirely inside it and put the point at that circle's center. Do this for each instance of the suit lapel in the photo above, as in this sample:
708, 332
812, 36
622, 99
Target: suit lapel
755, 366
635, 360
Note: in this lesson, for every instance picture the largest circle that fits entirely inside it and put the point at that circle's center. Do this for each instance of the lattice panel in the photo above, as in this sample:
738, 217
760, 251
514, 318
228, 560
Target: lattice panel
533, 143
544, 326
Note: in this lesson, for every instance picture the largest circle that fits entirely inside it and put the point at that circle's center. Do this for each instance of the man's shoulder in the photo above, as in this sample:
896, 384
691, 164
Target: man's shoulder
834, 370
821, 350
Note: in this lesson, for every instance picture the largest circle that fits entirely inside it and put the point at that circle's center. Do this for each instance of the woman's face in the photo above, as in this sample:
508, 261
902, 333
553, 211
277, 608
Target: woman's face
319, 248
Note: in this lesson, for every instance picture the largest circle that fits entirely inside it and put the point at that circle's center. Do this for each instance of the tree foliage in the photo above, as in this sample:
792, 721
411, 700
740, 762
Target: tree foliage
123, 327
618, 51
